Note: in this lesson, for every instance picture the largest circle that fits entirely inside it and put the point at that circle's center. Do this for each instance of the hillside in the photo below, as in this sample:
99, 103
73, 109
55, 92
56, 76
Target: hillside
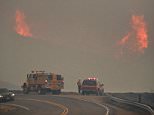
4, 84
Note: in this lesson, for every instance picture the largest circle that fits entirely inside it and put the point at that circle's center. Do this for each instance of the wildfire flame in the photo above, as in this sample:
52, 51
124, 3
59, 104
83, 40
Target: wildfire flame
21, 26
139, 26
137, 38
124, 39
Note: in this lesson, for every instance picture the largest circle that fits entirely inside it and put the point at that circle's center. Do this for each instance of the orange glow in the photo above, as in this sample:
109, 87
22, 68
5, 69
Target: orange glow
139, 26
21, 26
137, 39
124, 39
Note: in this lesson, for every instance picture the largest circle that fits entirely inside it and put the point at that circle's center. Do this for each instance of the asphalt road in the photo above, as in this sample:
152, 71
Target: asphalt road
52, 105
34, 104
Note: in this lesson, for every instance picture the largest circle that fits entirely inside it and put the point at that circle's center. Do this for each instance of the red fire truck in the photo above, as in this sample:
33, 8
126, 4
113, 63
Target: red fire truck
92, 86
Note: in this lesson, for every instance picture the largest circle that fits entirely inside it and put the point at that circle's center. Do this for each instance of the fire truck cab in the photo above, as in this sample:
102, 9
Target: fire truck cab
92, 86
43, 82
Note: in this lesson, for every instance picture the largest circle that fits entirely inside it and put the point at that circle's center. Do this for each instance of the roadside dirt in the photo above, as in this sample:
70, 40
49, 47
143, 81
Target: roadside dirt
11, 110
6, 108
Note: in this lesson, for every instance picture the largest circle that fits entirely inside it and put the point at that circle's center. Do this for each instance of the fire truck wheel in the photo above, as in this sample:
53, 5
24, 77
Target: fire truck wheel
83, 93
58, 92
41, 91
100, 93
97, 93
25, 91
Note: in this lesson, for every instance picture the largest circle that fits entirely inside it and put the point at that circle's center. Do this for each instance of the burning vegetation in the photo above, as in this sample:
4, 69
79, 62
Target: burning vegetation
21, 26
137, 39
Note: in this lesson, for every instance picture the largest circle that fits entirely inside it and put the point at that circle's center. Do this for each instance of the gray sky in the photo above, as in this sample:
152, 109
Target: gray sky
76, 38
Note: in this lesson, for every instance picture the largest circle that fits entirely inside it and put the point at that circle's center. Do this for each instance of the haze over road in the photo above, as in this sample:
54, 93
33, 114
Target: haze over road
33, 104
56, 105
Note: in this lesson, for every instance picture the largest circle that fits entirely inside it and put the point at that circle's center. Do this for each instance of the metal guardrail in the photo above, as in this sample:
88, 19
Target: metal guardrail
143, 106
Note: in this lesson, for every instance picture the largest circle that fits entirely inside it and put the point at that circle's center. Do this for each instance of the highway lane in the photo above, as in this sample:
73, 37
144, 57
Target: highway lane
114, 108
80, 107
69, 105
54, 105
27, 106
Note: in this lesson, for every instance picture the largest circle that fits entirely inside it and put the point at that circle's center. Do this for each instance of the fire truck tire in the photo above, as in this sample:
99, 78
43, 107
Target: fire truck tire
97, 93
58, 92
100, 93
83, 93
25, 91
41, 91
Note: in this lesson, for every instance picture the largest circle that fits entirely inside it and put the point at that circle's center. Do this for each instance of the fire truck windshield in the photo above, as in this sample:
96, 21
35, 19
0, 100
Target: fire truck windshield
89, 82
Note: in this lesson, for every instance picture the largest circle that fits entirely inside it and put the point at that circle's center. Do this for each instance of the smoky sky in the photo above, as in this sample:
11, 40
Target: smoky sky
76, 38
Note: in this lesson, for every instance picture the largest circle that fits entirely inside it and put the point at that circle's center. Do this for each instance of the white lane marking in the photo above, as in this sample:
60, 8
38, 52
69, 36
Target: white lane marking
20, 106
64, 108
107, 109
